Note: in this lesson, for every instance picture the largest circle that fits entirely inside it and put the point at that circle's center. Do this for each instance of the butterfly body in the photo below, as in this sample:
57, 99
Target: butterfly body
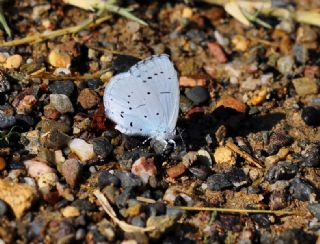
145, 100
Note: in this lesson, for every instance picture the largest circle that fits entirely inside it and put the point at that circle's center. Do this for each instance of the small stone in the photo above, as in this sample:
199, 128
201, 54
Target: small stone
192, 81
305, 86
94, 83
82, 149
176, 170
240, 43
197, 94
36, 168
124, 197
217, 52
84, 205
65, 87
61, 103
71, 171
6, 121
26, 104
189, 158
88, 98
230, 102
2, 163
70, 211
13, 62
259, 98
102, 147
161, 223
310, 115
59, 59
306, 34
278, 200
311, 156
278, 140
218, 182
106, 178
48, 125
4, 83
33, 140
46, 182
302, 190
144, 168
50, 112
314, 208
285, 65
55, 139
18, 196
282, 171
224, 156
129, 180
3, 208
25, 121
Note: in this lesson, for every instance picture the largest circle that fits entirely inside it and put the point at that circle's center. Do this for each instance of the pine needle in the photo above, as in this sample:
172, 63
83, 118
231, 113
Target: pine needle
233, 210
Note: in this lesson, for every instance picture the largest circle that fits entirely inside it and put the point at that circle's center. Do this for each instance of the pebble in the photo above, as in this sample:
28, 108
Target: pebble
36, 168
305, 86
59, 59
230, 102
6, 121
278, 140
80, 234
55, 139
84, 205
106, 178
314, 208
285, 65
306, 34
26, 104
240, 43
161, 223
311, 115
300, 53
102, 147
4, 82
61, 103
192, 81
48, 125
88, 98
94, 83
2, 163
46, 182
302, 190
218, 182
70, 211
144, 168
25, 121
278, 200
217, 52
224, 156
65, 87
19, 197
71, 171
197, 95
282, 171
311, 156
295, 235
124, 197
3, 208
32, 141
137, 221
129, 180
13, 62
82, 149
176, 170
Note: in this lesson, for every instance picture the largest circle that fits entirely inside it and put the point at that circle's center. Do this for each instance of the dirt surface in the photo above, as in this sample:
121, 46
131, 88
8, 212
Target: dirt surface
248, 128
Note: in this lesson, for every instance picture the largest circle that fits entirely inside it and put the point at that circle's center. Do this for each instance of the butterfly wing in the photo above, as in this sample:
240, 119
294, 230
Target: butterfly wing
159, 73
143, 101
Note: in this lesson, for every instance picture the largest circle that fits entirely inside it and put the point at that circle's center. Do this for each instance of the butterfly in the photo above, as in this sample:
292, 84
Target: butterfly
144, 101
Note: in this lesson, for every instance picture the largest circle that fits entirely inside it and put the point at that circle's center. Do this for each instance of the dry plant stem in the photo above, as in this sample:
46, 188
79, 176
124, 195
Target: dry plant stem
109, 210
244, 155
231, 210
52, 34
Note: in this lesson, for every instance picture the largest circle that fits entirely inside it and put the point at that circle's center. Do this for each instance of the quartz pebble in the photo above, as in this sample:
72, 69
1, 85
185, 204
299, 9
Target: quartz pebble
305, 86
13, 62
70, 211
82, 149
59, 59
144, 168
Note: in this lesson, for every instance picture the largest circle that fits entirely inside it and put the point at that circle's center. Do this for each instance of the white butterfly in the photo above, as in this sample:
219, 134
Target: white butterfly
145, 99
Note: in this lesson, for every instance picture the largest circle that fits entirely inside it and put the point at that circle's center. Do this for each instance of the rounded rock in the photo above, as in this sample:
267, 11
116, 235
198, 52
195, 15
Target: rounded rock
65, 87
13, 62
102, 147
197, 95
61, 103
106, 178
311, 115
71, 170
88, 98
6, 121
301, 190
82, 149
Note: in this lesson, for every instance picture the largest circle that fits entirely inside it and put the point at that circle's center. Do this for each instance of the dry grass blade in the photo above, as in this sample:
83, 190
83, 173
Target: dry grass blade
244, 155
52, 34
232, 210
3, 22
109, 210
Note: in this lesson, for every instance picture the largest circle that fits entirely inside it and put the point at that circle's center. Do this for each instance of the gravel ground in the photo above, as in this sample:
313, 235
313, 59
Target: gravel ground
248, 124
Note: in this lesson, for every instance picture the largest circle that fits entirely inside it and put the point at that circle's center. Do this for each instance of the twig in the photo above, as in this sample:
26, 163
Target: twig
233, 210
123, 225
243, 154
52, 34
